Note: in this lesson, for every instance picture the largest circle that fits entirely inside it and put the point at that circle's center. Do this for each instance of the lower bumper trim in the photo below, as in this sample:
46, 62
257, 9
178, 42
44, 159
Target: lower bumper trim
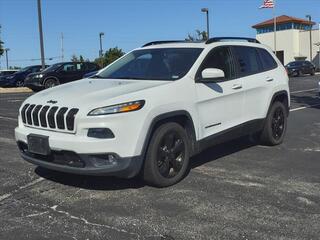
85, 164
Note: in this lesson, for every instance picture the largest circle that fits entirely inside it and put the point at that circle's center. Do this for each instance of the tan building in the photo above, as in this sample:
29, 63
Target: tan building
293, 38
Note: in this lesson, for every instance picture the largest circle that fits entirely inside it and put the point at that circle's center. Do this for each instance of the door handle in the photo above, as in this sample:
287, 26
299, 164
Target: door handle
237, 86
269, 79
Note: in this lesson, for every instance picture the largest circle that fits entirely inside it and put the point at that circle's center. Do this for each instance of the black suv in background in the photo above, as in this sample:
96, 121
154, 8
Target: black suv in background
298, 68
59, 73
17, 79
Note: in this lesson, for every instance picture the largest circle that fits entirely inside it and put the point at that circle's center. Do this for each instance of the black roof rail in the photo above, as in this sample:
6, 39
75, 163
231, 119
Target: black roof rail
223, 39
167, 41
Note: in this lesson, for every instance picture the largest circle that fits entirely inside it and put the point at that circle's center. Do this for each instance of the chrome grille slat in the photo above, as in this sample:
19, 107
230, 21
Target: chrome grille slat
49, 117
35, 114
29, 112
23, 113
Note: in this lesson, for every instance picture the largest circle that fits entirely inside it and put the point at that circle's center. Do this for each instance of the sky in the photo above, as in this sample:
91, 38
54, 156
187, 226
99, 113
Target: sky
127, 24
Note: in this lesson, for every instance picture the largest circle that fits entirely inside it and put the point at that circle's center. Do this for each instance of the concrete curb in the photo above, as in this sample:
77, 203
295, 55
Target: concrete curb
15, 90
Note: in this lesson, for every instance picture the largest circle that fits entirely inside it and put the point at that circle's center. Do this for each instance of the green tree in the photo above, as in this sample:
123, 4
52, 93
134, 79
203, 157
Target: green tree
197, 36
81, 59
109, 56
74, 58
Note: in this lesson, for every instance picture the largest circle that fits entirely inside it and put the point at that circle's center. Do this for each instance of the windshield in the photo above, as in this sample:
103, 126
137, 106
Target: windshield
24, 69
153, 64
52, 67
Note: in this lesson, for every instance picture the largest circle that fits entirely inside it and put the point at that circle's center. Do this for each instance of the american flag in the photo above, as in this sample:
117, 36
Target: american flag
268, 4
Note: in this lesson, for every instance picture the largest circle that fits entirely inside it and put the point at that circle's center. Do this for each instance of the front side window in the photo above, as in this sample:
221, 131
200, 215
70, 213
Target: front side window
153, 64
220, 58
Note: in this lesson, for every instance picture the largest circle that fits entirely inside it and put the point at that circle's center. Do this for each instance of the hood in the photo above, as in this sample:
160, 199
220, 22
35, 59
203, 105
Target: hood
87, 92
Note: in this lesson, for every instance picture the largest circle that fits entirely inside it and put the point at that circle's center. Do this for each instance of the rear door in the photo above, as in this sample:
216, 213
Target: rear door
257, 70
219, 104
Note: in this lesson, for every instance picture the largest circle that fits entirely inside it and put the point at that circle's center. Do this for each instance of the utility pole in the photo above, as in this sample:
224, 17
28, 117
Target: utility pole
62, 50
310, 32
41, 35
7, 61
100, 37
206, 10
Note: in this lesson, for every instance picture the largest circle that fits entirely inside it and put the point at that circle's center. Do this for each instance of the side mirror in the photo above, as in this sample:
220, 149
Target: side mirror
212, 75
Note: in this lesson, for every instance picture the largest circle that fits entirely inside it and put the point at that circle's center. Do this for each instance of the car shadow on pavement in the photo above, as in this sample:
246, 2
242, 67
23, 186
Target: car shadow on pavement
112, 183
221, 150
90, 182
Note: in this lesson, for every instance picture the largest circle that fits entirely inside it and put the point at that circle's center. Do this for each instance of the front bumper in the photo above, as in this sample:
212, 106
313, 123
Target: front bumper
84, 164
33, 82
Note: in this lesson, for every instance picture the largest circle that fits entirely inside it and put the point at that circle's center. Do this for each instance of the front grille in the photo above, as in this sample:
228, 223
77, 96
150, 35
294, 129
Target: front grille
49, 117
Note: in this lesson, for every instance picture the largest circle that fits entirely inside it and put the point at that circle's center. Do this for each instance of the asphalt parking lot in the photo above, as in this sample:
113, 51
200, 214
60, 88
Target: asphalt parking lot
236, 190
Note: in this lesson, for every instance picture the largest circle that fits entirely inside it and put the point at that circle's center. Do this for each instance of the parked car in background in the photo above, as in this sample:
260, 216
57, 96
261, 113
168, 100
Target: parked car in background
3, 75
90, 74
7, 72
17, 79
298, 68
59, 73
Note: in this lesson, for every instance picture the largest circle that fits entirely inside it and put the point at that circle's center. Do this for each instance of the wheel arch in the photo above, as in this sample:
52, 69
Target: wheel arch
182, 117
281, 96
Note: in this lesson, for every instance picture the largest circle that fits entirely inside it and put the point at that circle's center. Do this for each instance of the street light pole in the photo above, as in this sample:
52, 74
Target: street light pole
41, 35
7, 61
206, 10
100, 37
310, 32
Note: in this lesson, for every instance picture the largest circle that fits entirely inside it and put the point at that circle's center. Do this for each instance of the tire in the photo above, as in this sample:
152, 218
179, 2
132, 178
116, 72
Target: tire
20, 83
167, 157
275, 125
51, 82
313, 72
299, 73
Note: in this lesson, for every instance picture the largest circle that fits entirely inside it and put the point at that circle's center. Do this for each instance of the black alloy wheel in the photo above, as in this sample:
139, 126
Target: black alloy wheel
171, 154
278, 123
167, 157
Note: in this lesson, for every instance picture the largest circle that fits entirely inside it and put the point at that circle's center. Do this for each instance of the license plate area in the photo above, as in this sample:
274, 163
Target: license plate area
38, 144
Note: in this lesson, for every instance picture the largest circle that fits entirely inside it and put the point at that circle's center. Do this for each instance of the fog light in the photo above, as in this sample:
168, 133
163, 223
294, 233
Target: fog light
102, 133
103, 160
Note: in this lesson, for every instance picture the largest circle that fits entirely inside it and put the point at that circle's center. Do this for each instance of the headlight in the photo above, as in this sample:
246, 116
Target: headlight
118, 108
38, 76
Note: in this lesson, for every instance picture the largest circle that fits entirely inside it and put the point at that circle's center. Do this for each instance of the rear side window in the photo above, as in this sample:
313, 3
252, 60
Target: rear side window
247, 59
268, 63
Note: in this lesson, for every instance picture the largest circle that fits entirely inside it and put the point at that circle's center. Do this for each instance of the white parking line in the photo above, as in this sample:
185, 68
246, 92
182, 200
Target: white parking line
301, 108
8, 118
307, 90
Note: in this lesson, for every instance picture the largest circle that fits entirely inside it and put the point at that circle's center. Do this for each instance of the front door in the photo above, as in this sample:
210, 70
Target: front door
219, 104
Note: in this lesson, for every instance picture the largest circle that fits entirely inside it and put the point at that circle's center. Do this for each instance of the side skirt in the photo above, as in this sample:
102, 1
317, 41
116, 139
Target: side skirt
230, 134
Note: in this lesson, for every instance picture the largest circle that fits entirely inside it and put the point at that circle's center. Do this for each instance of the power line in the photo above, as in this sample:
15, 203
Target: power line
34, 59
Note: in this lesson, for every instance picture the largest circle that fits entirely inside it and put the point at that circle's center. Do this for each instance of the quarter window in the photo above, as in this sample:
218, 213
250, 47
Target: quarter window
267, 60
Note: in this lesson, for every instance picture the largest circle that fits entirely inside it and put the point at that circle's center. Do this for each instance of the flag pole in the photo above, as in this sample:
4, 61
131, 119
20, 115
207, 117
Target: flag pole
275, 26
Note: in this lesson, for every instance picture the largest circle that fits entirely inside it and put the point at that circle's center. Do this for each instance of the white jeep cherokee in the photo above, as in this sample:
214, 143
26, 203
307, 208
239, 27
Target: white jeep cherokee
155, 107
